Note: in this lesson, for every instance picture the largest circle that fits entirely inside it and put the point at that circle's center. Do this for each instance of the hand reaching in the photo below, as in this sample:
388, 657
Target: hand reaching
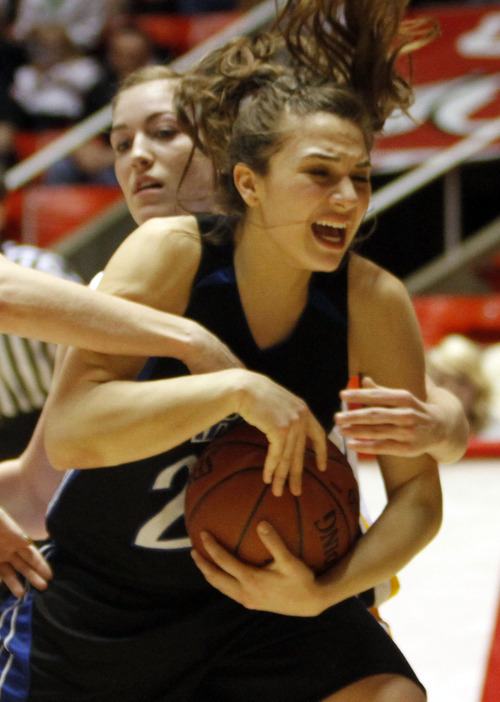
19, 556
389, 421
287, 422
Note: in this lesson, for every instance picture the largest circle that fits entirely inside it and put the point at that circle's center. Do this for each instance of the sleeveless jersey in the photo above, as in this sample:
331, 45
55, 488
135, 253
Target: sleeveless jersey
138, 507
128, 616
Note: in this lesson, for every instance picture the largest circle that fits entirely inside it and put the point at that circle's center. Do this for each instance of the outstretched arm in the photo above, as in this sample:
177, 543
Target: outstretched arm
38, 305
395, 422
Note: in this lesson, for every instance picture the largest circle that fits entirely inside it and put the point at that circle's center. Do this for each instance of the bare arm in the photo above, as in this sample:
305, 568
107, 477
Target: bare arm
27, 485
98, 415
396, 422
39, 305
385, 344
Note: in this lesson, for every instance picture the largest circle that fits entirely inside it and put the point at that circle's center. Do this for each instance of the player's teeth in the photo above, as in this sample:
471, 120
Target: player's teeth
331, 224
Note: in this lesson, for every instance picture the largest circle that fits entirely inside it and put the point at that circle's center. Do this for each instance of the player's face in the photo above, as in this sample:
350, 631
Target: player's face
316, 192
151, 153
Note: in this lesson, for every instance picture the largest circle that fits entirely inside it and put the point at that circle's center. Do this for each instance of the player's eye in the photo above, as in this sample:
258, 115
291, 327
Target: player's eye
319, 172
120, 145
166, 133
361, 178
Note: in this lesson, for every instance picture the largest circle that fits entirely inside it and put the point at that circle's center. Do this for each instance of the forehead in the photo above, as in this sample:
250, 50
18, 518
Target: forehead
141, 101
323, 133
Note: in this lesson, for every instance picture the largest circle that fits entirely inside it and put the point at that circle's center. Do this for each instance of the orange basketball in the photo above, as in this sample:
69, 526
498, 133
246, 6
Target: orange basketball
227, 497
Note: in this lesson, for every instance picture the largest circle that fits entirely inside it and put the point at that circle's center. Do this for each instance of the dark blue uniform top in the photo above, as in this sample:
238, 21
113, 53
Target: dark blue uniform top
128, 522
128, 617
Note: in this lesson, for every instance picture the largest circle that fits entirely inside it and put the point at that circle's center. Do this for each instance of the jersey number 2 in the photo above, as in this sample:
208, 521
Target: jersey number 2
151, 534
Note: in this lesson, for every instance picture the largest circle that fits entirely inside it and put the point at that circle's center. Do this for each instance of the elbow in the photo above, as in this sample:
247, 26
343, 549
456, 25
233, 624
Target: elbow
432, 506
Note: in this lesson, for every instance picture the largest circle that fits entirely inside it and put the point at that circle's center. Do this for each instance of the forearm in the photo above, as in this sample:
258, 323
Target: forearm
409, 522
21, 501
120, 421
35, 304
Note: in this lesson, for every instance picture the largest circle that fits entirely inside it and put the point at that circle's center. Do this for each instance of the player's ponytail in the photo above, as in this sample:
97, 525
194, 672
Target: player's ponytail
209, 96
340, 58
357, 43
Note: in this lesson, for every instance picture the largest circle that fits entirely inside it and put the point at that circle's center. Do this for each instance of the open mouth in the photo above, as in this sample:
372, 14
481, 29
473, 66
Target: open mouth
150, 185
330, 233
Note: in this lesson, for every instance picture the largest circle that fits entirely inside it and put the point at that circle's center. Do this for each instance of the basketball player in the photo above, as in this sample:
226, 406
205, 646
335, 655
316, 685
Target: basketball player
128, 615
392, 421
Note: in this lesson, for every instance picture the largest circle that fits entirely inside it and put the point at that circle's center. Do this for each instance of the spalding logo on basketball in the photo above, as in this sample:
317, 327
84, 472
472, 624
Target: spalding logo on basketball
227, 497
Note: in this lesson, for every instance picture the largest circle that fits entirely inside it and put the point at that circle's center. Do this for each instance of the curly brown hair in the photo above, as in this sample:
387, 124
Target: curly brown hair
335, 56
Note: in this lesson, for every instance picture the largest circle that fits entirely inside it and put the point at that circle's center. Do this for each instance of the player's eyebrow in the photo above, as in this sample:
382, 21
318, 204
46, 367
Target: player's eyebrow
149, 118
334, 157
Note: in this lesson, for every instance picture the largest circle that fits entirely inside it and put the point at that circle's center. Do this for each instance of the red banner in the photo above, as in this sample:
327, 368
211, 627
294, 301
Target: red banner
457, 87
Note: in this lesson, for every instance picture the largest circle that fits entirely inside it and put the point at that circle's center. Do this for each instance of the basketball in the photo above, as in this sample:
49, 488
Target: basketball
226, 496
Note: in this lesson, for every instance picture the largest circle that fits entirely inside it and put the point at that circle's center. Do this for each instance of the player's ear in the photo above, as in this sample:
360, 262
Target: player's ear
245, 182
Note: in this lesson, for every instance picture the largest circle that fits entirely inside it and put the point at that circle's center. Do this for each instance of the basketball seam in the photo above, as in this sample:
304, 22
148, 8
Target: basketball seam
247, 524
216, 486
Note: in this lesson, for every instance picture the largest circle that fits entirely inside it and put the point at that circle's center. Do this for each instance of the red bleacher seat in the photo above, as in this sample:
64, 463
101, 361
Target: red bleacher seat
474, 316
12, 215
27, 142
49, 213
178, 32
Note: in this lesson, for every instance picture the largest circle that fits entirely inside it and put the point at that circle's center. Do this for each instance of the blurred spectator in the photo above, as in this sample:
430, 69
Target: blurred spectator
491, 368
127, 48
456, 364
26, 365
84, 20
48, 91
12, 55
189, 7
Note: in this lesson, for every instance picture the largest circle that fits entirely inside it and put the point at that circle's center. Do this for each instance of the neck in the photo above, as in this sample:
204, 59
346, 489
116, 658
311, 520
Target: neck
273, 295
261, 266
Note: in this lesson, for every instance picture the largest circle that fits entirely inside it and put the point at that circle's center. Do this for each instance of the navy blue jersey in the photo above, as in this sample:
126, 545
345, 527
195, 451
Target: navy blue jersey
128, 616
138, 508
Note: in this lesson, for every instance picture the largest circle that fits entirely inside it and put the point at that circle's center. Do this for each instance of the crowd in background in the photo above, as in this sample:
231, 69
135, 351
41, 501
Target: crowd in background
60, 62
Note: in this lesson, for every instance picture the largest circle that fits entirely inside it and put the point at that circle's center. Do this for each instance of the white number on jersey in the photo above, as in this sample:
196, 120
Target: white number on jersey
150, 535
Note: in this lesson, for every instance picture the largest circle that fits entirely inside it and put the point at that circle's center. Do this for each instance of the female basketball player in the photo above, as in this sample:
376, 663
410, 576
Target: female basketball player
128, 615
392, 421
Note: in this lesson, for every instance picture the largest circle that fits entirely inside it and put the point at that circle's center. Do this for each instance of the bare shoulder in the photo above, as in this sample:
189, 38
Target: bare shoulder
168, 233
375, 291
384, 335
156, 264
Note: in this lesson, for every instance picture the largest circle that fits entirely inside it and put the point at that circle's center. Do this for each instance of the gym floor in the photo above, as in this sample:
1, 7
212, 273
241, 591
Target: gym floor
443, 618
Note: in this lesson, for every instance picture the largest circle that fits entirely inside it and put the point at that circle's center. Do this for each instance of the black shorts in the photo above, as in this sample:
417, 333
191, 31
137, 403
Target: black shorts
215, 651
